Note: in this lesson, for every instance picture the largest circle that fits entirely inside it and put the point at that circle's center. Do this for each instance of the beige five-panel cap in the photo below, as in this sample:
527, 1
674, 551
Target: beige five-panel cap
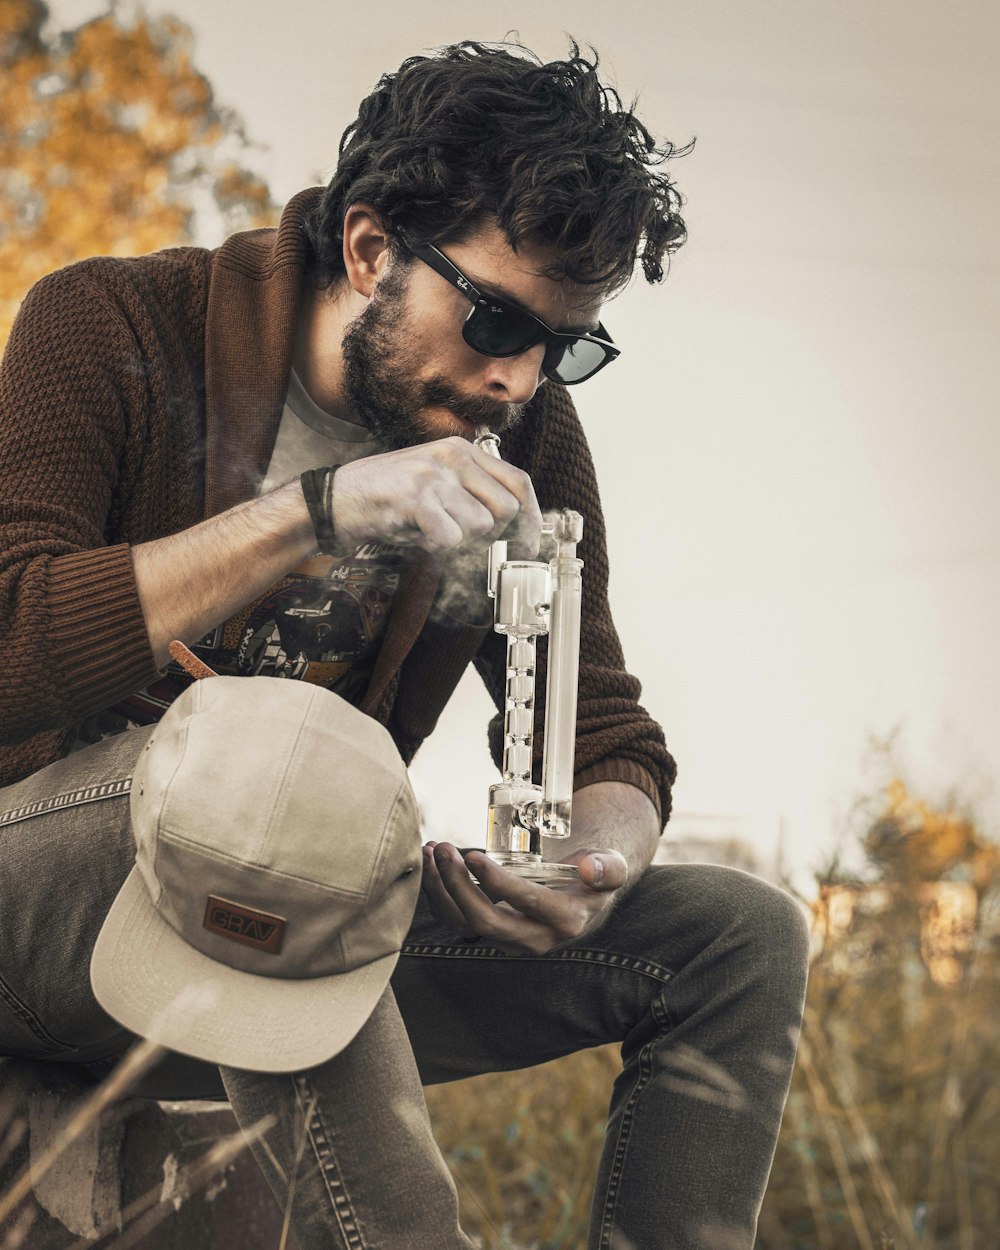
277, 870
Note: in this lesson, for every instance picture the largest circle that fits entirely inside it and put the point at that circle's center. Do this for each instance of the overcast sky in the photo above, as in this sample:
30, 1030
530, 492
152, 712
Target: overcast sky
797, 450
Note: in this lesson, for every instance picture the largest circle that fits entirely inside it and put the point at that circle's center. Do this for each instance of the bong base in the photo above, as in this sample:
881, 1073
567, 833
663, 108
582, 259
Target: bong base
534, 868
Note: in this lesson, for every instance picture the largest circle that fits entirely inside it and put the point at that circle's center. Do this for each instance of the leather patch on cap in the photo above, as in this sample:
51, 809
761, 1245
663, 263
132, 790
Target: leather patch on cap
258, 929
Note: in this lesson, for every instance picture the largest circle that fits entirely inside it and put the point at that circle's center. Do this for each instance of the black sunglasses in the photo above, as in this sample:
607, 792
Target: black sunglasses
496, 329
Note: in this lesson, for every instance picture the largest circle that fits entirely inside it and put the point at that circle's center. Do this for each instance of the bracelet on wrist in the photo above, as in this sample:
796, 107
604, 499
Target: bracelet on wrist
317, 490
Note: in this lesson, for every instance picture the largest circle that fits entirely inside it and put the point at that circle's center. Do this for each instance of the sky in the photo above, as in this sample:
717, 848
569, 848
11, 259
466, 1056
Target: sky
797, 449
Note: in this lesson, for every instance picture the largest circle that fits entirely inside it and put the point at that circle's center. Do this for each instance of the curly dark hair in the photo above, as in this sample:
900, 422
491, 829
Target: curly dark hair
479, 130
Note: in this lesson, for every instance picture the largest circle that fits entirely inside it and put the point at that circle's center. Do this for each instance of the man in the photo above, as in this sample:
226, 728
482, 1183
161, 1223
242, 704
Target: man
181, 435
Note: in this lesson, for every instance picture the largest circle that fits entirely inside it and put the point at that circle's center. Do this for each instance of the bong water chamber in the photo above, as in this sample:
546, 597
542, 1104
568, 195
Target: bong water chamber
531, 598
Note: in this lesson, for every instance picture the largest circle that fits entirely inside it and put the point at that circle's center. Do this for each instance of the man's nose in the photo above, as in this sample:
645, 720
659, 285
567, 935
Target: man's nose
514, 379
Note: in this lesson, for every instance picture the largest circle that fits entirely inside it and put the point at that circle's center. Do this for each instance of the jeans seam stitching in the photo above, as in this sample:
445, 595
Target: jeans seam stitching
661, 1012
30, 1020
618, 1164
326, 1158
599, 958
69, 798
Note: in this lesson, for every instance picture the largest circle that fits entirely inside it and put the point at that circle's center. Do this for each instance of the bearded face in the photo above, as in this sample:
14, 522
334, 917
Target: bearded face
390, 380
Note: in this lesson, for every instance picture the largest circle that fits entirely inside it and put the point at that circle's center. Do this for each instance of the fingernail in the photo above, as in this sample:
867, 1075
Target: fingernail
598, 870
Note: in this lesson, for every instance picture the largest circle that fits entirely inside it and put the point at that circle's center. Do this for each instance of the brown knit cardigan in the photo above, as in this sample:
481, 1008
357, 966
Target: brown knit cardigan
138, 396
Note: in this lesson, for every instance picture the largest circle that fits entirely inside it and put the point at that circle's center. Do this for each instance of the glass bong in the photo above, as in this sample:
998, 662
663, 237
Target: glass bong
531, 598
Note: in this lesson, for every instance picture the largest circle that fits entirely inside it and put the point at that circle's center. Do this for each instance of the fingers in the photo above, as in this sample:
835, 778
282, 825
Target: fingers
487, 497
515, 914
523, 521
472, 519
483, 495
436, 527
456, 898
441, 902
441, 496
528, 898
510, 912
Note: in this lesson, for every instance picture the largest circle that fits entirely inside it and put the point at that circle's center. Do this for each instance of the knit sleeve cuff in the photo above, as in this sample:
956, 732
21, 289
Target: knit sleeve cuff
99, 645
626, 771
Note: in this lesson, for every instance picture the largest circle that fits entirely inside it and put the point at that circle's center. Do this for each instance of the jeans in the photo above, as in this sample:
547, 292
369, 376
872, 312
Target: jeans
699, 974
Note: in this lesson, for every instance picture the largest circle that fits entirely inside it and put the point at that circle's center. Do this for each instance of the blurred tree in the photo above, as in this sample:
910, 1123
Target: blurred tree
110, 142
911, 841
892, 1133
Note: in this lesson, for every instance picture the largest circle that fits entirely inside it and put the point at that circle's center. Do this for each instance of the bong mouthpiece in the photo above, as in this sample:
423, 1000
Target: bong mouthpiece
487, 440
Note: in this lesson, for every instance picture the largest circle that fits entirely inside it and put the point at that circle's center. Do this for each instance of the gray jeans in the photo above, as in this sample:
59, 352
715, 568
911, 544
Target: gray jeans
699, 973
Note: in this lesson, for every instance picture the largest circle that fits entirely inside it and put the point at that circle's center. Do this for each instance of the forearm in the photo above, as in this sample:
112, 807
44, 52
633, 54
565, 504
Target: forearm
189, 582
611, 816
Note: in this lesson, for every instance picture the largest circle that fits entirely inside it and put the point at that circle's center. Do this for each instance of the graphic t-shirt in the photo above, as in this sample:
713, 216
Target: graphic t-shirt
324, 621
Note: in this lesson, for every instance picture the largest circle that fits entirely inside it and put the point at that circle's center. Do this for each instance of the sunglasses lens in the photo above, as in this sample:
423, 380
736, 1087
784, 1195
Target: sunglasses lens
504, 332
508, 332
573, 360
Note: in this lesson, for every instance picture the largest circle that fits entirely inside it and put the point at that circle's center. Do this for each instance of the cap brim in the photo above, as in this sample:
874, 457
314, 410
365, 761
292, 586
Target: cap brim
151, 981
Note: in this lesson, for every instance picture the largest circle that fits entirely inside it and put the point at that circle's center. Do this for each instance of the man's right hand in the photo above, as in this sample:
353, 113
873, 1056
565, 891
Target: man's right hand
439, 496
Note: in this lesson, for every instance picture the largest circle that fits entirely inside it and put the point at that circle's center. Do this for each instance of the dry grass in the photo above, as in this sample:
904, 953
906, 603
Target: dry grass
891, 1137
523, 1148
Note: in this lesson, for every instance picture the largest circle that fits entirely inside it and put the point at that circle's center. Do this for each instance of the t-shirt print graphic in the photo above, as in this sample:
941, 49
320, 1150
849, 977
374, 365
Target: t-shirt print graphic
323, 623
321, 619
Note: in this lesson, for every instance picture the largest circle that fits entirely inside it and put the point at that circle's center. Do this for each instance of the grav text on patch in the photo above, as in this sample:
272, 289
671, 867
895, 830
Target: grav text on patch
238, 923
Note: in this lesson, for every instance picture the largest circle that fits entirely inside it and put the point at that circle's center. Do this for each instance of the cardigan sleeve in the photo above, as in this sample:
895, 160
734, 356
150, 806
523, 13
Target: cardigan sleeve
72, 634
616, 739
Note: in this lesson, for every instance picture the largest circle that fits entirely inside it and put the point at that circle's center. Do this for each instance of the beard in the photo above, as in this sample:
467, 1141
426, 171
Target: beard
381, 376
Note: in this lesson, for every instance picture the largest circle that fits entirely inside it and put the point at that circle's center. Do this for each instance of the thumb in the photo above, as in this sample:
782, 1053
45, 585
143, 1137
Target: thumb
604, 870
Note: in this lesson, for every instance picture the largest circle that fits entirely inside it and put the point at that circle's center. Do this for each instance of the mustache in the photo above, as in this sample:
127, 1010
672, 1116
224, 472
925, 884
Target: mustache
479, 409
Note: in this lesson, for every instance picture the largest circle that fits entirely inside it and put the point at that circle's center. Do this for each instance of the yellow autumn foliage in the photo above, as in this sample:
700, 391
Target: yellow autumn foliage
914, 840
109, 140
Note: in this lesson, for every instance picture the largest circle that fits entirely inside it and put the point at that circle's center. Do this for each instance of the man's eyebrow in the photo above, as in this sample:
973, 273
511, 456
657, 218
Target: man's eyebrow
488, 290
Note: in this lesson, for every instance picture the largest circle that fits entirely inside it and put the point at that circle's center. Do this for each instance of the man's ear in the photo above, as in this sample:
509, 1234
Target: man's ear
366, 247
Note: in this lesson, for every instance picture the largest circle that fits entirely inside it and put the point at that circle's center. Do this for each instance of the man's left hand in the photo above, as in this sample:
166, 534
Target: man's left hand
514, 914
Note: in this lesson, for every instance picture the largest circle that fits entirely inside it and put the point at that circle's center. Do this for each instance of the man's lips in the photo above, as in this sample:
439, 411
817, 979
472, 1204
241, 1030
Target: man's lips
468, 409
468, 424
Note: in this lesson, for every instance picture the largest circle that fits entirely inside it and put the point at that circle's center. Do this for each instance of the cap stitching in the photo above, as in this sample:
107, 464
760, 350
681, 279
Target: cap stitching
292, 766
138, 793
208, 852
